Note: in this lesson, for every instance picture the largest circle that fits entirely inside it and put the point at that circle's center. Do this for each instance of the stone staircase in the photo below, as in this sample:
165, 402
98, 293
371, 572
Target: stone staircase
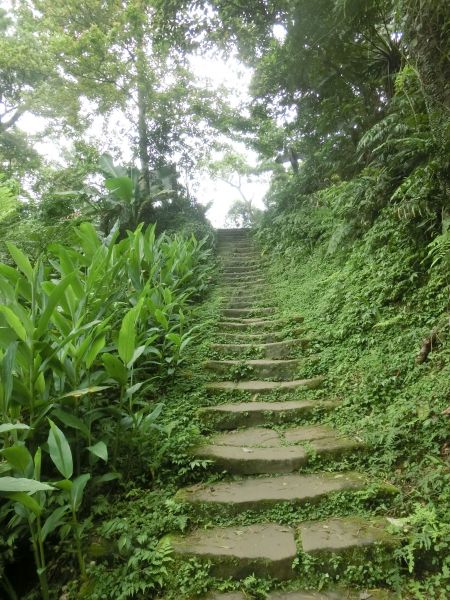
262, 439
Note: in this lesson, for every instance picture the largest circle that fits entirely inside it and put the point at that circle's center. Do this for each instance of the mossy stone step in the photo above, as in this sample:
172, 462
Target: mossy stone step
255, 281
244, 268
266, 550
266, 337
269, 550
253, 303
242, 277
336, 594
264, 387
259, 367
257, 494
336, 535
248, 312
273, 350
258, 451
249, 414
258, 322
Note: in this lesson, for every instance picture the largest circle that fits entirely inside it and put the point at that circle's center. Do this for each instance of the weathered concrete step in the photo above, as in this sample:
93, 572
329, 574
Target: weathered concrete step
244, 293
334, 594
263, 550
240, 262
265, 337
258, 322
258, 494
248, 312
264, 387
241, 275
256, 281
249, 414
269, 550
273, 350
232, 248
258, 367
257, 451
253, 304
243, 269
339, 535
250, 299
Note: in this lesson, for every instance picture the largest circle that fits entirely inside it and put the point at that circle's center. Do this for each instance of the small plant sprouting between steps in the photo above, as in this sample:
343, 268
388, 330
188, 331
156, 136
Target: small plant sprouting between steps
86, 336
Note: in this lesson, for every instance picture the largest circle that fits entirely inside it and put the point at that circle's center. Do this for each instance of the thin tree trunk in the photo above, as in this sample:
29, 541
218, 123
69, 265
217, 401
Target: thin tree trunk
143, 135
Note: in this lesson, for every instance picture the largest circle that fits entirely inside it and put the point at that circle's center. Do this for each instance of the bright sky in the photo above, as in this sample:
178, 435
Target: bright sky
214, 73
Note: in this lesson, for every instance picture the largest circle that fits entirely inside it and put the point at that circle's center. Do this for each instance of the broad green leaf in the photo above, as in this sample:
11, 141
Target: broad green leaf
93, 389
127, 336
60, 452
14, 322
52, 303
19, 458
7, 375
64, 484
115, 368
20, 484
106, 164
136, 354
26, 501
100, 450
76, 494
21, 261
161, 318
106, 477
53, 521
122, 187
7, 427
94, 349
71, 421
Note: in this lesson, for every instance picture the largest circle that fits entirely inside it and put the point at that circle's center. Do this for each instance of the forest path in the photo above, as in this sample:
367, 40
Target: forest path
274, 453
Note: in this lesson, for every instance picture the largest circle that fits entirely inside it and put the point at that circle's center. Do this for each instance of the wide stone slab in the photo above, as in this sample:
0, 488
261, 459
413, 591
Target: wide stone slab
273, 350
341, 594
337, 535
256, 451
248, 312
265, 550
259, 367
247, 414
266, 337
263, 492
264, 387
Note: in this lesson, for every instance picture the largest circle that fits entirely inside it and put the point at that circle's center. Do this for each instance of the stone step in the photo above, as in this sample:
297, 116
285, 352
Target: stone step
265, 337
248, 312
263, 387
244, 324
250, 414
343, 535
257, 367
333, 594
274, 350
258, 494
269, 550
236, 248
254, 303
266, 550
247, 281
244, 293
260, 451
240, 255
243, 269
239, 262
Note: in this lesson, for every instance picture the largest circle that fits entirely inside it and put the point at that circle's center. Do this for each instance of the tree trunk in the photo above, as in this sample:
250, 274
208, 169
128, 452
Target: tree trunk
143, 136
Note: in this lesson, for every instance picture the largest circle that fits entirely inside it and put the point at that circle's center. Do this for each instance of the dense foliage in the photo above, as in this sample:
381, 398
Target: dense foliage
100, 273
87, 337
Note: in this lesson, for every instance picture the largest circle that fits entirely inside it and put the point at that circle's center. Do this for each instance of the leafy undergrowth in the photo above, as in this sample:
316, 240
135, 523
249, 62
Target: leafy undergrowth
368, 309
